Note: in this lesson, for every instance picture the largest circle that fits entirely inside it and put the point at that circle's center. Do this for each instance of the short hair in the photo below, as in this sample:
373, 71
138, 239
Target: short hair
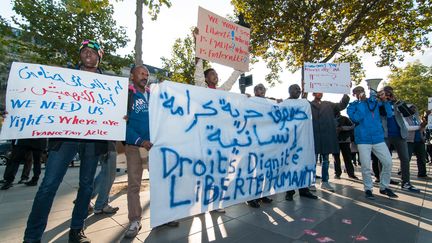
259, 86
207, 71
388, 89
358, 89
137, 66
292, 86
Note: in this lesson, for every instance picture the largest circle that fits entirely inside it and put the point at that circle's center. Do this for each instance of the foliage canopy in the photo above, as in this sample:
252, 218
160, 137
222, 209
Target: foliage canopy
298, 31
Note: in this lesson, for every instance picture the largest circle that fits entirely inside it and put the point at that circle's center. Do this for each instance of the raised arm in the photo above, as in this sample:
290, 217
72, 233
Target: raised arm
343, 103
230, 81
354, 112
199, 74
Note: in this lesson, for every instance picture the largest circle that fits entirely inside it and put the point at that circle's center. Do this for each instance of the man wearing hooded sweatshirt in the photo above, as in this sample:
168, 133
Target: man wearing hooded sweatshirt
61, 153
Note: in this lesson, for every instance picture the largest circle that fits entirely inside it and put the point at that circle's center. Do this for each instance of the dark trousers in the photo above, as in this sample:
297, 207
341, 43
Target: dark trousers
301, 191
429, 152
345, 149
401, 148
419, 149
33, 157
19, 154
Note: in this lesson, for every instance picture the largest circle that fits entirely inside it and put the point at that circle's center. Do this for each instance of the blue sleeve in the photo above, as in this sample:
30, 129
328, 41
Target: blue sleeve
132, 137
354, 112
388, 108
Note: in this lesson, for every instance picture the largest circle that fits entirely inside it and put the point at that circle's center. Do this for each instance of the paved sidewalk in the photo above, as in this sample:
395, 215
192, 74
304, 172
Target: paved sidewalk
343, 216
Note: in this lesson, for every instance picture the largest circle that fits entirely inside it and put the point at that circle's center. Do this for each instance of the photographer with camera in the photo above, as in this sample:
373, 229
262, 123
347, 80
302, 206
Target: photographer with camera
396, 132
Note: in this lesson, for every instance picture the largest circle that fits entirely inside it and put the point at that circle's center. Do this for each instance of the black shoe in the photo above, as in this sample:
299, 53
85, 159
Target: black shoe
289, 197
389, 193
354, 177
423, 176
172, 224
6, 186
369, 195
78, 236
308, 195
393, 182
399, 172
266, 200
32, 182
22, 181
253, 203
3, 181
317, 177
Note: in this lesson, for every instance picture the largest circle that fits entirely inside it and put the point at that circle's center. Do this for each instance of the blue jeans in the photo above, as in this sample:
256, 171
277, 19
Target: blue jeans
56, 167
325, 168
105, 179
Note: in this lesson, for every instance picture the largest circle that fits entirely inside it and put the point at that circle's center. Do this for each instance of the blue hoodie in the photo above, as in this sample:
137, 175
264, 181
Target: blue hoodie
365, 114
138, 128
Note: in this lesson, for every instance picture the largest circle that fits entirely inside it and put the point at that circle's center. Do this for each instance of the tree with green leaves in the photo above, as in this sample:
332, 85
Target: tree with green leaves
413, 84
181, 65
153, 10
298, 31
57, 28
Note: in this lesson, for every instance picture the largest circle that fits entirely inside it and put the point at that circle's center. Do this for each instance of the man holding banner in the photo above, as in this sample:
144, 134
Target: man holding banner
61, 153
294, 93
137, 146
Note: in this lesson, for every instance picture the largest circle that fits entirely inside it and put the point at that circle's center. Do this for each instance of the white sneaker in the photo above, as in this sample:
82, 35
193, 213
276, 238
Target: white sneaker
327, 186
133, 229
312, 188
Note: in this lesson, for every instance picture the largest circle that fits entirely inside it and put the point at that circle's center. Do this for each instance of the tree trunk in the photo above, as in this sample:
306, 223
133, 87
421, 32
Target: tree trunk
138, 32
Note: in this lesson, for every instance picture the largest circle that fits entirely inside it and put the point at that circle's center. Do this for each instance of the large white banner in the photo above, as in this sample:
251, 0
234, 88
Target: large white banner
44, 101
213, 149
327, 78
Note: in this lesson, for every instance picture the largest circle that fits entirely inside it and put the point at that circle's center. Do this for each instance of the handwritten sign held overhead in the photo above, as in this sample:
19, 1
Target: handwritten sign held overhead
327, 78
44, 101
213, 149
222, 41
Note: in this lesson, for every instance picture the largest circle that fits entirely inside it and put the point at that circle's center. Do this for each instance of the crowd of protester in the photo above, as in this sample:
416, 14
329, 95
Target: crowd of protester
374, 125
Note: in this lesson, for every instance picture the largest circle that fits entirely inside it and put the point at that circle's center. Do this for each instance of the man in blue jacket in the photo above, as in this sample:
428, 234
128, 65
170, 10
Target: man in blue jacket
369, 137
137, 145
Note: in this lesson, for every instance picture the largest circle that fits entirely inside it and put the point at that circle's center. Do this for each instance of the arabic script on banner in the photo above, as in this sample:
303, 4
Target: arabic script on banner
213, 149
46, 101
